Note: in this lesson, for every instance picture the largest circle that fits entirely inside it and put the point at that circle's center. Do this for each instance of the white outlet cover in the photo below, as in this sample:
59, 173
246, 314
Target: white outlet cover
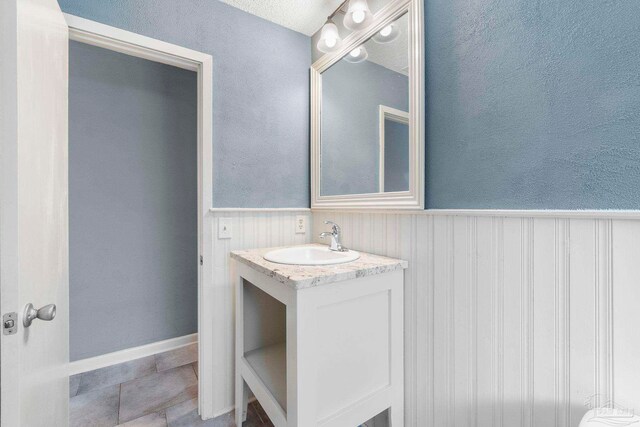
301, 224
224, 228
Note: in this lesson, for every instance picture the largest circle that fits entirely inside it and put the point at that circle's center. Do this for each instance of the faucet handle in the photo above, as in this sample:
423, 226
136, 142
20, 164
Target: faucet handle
335, 227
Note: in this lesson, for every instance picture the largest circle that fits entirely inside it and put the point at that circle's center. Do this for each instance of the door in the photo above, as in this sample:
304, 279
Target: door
33, 212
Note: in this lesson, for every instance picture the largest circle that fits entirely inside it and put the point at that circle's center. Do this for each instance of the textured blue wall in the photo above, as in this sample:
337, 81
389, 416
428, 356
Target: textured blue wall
260, 92
351, 96
132, 201
533, 104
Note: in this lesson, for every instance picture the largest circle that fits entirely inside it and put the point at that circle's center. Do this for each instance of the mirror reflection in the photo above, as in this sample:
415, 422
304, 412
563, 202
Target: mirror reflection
365, 117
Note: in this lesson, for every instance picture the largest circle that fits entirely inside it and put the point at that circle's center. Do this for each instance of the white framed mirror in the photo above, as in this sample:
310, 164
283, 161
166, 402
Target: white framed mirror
367, 115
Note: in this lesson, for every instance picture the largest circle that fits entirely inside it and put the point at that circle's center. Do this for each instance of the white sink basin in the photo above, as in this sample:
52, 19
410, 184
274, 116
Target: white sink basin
310, 255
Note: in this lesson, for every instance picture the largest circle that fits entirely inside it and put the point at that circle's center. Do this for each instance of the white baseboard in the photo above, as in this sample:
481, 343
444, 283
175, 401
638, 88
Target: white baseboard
126, 355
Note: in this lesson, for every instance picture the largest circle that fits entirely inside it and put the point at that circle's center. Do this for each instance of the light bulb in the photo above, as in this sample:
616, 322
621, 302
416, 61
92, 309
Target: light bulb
357, 55
387, 34
329, 38
386, 31
358, 16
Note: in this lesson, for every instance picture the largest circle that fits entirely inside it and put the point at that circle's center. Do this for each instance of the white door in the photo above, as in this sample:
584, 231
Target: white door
33, 211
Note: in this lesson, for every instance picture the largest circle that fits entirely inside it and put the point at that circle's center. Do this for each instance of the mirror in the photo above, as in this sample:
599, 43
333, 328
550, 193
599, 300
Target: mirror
366, 147
354, 91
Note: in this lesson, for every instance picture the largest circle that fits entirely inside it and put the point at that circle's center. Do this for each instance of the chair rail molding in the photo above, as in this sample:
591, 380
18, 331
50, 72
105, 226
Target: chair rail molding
259, 210
515, 213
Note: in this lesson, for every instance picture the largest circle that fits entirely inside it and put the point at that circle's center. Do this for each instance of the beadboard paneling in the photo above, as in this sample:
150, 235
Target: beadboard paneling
250, 229
511, 320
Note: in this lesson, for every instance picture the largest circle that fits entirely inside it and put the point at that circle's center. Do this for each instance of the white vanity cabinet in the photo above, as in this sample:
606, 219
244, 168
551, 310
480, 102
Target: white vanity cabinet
320, 345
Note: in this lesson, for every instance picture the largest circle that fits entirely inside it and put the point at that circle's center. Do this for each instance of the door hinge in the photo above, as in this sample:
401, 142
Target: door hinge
10, 323
201, 260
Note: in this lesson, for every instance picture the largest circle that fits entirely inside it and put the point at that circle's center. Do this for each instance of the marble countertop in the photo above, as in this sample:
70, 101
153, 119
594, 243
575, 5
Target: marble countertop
307, 276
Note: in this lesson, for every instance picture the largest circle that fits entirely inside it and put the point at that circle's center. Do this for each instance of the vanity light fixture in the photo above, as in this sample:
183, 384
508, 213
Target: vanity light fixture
329, 38
387, 34
358, 15
358, 54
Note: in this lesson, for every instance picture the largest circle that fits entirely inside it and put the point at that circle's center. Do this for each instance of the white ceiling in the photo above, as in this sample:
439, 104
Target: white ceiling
308, 16
303, 16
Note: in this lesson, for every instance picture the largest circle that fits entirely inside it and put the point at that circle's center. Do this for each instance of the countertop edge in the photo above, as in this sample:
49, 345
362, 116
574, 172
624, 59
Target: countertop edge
273, 270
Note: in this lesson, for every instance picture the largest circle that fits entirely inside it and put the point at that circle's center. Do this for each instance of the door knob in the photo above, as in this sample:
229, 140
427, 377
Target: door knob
48, 312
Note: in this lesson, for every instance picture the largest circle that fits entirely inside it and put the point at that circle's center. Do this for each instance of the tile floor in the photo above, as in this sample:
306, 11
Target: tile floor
159, 390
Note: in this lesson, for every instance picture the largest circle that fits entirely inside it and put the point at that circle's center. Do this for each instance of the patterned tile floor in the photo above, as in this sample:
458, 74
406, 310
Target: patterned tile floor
159, 390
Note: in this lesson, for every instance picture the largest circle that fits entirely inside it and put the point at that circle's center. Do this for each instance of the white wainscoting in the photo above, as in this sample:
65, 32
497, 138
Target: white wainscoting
511, 320
251, 228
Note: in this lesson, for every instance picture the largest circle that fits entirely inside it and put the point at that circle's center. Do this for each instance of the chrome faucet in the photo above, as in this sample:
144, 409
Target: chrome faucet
336, 245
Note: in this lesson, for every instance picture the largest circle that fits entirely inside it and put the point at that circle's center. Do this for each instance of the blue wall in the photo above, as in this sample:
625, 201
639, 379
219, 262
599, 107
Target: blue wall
351, 96
533, 104
260, 92
132, 201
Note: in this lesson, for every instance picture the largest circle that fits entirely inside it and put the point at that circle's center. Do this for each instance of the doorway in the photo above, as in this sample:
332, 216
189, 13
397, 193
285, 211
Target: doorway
139, 191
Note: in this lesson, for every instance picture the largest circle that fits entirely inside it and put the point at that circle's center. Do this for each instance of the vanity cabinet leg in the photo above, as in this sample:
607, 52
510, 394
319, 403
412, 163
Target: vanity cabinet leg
242, 390
396, 412
301, 363
242, 401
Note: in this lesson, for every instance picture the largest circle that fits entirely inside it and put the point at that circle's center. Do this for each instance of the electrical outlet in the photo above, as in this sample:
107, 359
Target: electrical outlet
301, 224
224, 228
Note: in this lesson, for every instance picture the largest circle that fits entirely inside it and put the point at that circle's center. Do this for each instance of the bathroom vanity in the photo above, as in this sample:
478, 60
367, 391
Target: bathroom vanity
319, 345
